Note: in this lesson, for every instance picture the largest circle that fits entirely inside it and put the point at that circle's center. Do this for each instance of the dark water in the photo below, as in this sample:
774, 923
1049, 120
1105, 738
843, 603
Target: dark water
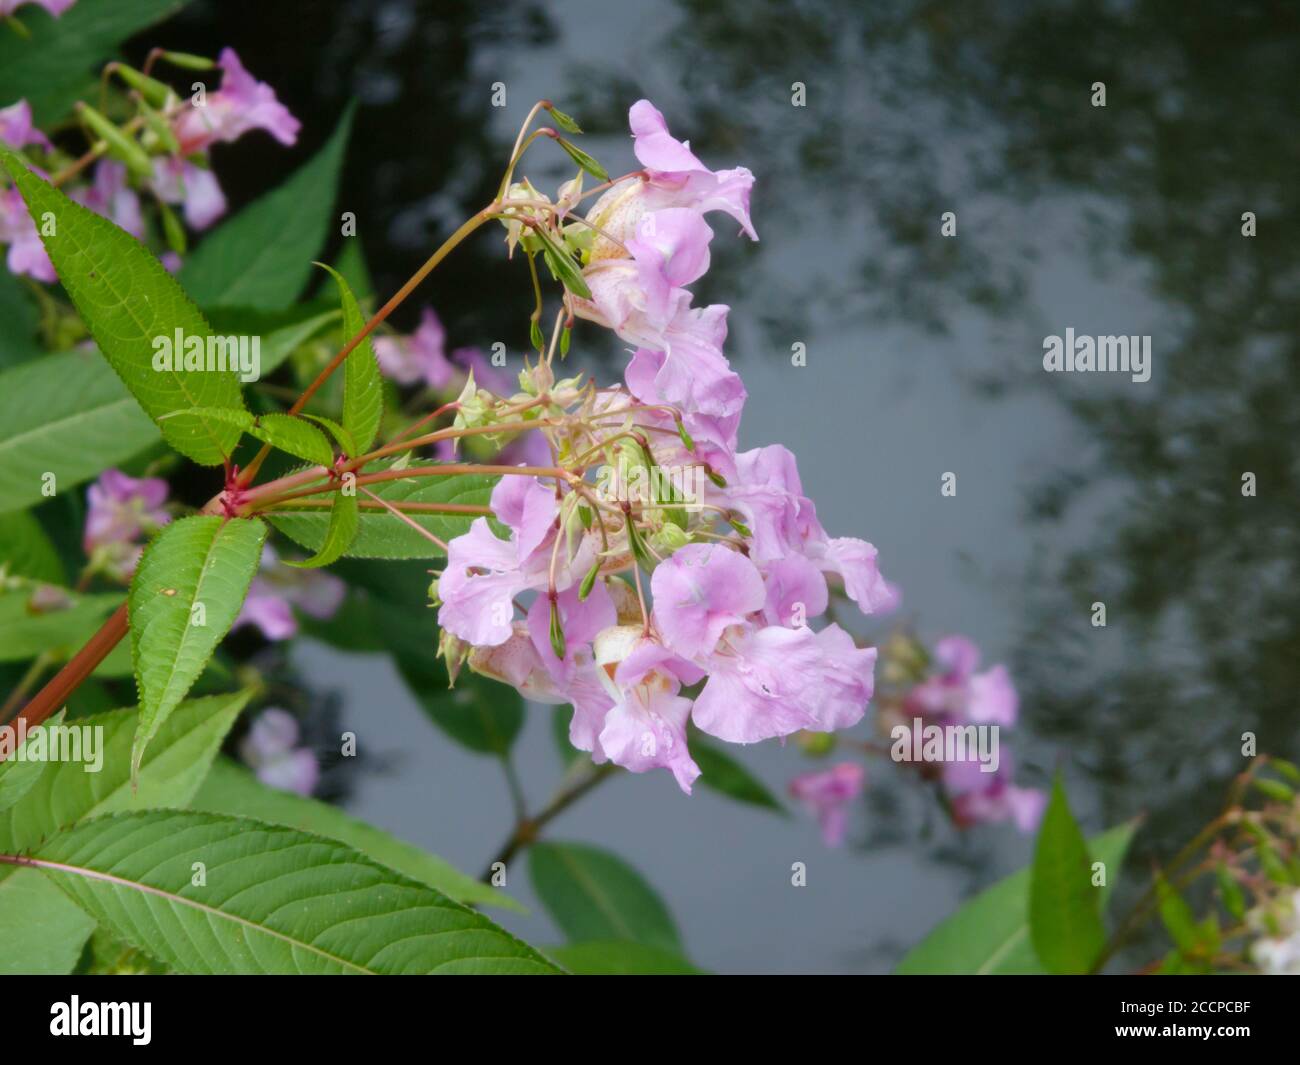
924, 356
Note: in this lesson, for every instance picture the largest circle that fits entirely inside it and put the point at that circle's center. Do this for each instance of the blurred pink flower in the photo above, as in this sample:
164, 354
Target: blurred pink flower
241, 104
120, 511
16, 129
277, 589
271, 750
827, 794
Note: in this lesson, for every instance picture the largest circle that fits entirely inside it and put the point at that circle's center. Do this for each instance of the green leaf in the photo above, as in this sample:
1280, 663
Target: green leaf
725, 775
1065, 923
25, 633
59, 61
26, 550
478, 713
383, 535
344, 438
17, 774
282, 332
271, 900
1176, 916
561, 716
128, 300
293, 436
68, 415
200, 560
363, 388
42, 931
622, 959
19, 321
345, 519
231, 789
990, 933
351, 263
262, 257
595, 895
66, 792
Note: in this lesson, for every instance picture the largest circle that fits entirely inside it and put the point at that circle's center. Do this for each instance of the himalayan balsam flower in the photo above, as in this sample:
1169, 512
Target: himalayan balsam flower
827, 794
241, 104
16, 129
277, 589
271, 750
957, 695
420, 357
120, 512
739, 560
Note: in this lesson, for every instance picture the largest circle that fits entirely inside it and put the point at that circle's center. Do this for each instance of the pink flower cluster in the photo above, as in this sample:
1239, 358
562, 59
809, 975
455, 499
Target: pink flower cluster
738, 559
182, 177
957, 694
121, 512
54, 7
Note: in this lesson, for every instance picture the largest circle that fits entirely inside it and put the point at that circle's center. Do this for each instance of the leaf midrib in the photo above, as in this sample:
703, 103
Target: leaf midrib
181, 900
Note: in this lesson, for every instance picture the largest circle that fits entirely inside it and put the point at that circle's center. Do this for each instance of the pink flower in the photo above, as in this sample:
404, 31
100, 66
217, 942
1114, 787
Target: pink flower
987, 798
120, 511
674, 178
112, 197
16, 129
768, 493
987, 698
827, 794
484, 573
271, 750
26, 253
54, 7
277, 589
419, 357
646, 727
241, 104
770, 681
180, 181
702, 590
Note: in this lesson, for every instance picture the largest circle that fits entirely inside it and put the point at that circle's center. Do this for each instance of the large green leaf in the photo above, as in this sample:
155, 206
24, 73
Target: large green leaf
1065, 922
204, 561
990, 933
66, 791
621, 958
27, 551
128, 301
363, 388
231, 789
384, 535
206, 893
25, 633
68, 415
58, 62
262, 257
595, 895
18, 774
42, 931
